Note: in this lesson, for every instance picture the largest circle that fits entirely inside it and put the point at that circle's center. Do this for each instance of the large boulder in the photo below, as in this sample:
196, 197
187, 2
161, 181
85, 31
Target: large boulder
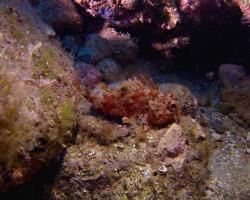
95, 49
168, 163
125, 47
236, 88
110, 69
62, 15
39, 99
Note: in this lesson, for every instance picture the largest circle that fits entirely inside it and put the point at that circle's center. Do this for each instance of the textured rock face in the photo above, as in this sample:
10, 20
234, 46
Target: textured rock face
211, 117
38, 102
70, 44
125, 47
232, 75
95, 49
110, 69
42, 105
60, 14
103, 131
163, 166
172, 147
236, 88
230, 170
244, 6
153, 20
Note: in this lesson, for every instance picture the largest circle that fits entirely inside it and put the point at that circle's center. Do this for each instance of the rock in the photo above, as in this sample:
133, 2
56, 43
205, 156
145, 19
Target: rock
95, 49
207, 93
39, 100
149, 12
105, 132
216, 136
248, 150
163, 169
248, 137
125, 47
129, 4
130, 170
192, 128
212, 118
100, 174
48, 31
172, 147
231, 75
185, 98
87, 55
62, 15
70, 44
229, 170
87, 74
153, 22
236, 88
110, 70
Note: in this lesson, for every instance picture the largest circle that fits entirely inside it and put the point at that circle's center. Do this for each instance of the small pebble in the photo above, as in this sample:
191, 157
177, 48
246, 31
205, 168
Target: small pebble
48, 31
146, 173
247, 150
119, 146
91, 153
163, 169
216, 137
248, 137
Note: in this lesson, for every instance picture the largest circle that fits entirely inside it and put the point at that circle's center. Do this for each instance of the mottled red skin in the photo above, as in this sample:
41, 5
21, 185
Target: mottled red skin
143, 101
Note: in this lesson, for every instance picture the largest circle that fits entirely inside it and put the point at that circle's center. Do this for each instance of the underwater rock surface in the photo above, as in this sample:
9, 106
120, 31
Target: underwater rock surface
167, 133
62, 15
236, 88
171, 27
129, 168
38, 103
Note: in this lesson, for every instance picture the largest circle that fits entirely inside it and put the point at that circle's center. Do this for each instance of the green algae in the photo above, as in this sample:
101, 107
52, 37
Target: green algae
35, 119
43, 59
9, 114
14, 25
47, 96
67, 116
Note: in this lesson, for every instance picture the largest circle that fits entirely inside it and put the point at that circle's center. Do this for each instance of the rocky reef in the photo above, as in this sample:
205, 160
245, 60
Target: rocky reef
124, 99
177, 27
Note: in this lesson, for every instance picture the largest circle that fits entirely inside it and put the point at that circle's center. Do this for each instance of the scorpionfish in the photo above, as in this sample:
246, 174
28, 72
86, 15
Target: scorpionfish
139, 98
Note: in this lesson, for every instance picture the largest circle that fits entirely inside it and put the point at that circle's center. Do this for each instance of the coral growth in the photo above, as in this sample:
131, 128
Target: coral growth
170, 26
138, 97
244, 7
